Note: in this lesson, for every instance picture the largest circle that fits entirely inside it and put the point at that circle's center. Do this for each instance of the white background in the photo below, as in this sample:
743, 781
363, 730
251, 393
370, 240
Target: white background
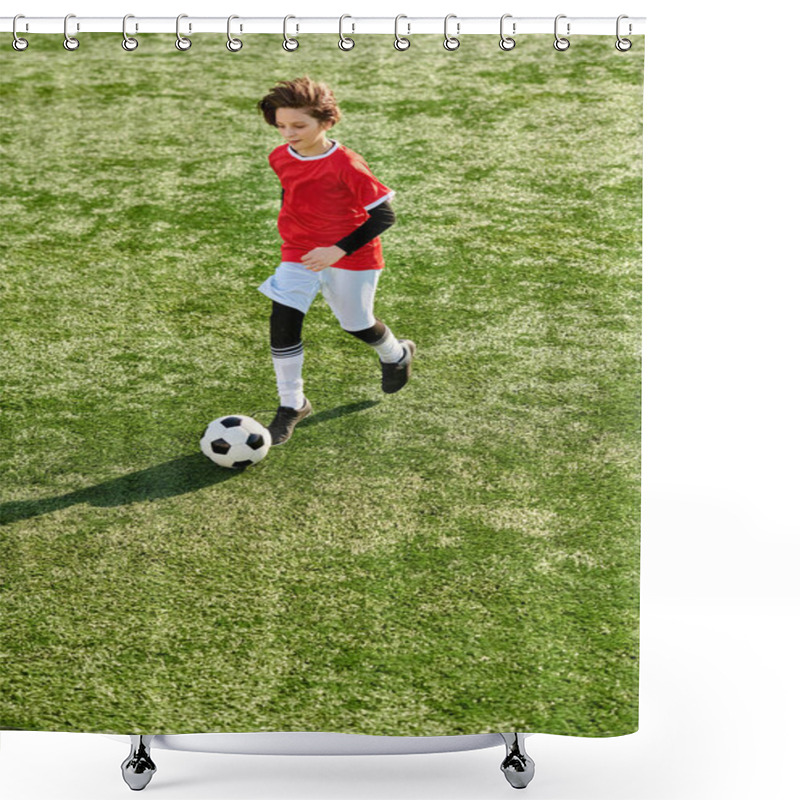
720, 606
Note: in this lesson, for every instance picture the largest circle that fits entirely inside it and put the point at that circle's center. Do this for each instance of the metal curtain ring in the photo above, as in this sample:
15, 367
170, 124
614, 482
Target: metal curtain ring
289, 44
400, 42
70, 42
18, 43
623, 45
506, 42
234, 45
451, 42
560, 43
181, 42
345, 42
128, 42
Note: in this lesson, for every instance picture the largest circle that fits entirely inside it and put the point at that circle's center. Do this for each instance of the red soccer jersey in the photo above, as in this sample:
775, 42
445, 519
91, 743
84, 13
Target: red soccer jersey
325, 199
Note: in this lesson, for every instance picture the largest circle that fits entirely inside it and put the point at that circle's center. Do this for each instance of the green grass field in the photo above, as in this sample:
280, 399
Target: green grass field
457, 558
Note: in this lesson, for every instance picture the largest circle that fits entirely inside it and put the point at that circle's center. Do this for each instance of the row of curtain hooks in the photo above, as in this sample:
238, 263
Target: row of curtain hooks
290, 44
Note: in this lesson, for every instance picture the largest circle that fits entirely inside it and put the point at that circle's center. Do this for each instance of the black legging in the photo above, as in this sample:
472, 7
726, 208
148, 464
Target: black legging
286, 328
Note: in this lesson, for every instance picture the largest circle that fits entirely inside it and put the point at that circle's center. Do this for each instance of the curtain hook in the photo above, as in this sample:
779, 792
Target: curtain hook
290, 44
345, 42
234, 45
451, 42
18, 43
181, 42
400, 42
128, 42
506, 42
561, 44
70, 42
623, 45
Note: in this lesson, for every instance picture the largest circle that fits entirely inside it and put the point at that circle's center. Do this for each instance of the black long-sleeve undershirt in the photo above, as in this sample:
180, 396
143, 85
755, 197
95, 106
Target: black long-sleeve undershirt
381, 218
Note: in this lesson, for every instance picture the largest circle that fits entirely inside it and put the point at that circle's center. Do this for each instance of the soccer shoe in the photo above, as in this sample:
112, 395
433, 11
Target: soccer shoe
395, 376
281, 428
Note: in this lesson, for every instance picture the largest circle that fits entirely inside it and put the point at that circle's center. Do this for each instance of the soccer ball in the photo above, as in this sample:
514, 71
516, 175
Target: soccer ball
236, 441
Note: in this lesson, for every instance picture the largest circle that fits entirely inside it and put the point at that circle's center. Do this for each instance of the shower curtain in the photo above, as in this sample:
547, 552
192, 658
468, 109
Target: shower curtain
459, 557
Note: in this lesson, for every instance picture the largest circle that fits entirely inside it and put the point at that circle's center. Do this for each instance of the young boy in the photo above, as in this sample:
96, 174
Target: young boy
333, 210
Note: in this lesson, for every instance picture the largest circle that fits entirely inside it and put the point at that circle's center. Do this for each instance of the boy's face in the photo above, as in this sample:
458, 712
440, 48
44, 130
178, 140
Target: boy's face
306, 134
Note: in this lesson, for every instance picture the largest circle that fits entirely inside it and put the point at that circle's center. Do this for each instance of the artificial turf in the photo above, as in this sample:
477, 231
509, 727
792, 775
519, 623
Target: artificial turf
460, 557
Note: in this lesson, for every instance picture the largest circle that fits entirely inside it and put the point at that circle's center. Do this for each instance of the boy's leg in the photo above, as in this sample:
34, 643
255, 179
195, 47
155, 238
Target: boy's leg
351, 296
292, 289
286, 326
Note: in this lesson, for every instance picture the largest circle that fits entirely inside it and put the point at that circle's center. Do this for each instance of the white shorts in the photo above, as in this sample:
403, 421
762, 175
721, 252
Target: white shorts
349, 293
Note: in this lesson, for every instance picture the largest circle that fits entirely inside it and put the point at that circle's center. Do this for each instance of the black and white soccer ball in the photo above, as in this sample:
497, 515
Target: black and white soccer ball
236, 441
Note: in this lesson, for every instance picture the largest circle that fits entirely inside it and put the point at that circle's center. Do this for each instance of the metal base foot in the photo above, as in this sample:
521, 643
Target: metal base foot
138, 768
517, 766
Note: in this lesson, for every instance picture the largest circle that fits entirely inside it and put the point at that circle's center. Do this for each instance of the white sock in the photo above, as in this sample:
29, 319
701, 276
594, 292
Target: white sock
288, 363
390, 351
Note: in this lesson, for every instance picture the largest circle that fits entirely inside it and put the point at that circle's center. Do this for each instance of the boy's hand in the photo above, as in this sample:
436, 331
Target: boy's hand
322, 257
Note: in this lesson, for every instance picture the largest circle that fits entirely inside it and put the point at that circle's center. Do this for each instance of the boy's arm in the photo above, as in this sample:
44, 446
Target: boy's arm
381, 218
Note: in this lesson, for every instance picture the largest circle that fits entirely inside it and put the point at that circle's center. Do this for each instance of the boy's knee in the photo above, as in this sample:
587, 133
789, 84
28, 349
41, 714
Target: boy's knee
370, 335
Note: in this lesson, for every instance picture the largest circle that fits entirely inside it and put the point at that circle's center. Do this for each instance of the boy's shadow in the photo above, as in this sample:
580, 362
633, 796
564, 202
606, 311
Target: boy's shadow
179, 476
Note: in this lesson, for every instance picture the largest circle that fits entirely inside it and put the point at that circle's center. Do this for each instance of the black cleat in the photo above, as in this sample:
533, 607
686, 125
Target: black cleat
395, 376
282, 426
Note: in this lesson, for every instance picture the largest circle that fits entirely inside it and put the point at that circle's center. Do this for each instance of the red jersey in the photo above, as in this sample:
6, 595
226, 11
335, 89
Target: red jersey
326, 198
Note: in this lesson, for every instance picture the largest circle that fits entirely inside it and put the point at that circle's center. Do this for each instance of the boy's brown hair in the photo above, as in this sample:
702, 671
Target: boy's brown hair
315, 98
